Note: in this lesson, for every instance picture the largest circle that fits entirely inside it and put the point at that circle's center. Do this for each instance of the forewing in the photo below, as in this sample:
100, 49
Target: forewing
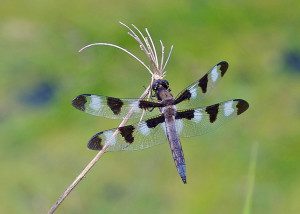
142, 135
113, 108
199, 89
199, 121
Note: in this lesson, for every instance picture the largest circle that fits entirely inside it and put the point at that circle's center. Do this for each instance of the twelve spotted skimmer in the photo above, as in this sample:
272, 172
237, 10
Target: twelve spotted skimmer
170, 123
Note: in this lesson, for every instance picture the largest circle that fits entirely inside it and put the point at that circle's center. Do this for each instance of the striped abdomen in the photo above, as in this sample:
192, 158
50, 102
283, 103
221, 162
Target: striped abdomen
174, 141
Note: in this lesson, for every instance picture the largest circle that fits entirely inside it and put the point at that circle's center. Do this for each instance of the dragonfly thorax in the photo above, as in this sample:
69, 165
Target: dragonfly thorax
162, 91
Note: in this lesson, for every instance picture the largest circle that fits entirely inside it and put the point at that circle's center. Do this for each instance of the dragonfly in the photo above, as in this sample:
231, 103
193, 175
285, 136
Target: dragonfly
170, 124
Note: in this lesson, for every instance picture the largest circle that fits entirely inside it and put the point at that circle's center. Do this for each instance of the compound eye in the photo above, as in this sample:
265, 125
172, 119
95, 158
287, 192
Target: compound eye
166, 84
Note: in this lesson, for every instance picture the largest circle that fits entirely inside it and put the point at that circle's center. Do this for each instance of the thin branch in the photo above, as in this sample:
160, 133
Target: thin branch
139, 41
168, 58
145, 40
123, 49
153, 47
150, 51
145, 46
94, 161
162, 55
137, 38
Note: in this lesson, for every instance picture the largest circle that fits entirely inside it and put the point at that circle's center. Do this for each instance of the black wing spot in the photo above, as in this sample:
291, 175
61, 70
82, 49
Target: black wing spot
95, 142
203, 83
223, 68
241, 106
115, 104
127, 133
188, 114
213, 112
79, 102
153, 122
186, 95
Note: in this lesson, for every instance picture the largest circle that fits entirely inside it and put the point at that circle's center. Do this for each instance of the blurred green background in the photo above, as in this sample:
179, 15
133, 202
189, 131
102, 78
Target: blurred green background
43, 138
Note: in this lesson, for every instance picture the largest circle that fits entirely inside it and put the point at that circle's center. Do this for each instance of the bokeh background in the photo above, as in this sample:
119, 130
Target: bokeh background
43, 138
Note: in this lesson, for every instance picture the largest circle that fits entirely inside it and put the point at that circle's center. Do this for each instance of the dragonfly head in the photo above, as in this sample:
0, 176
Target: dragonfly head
160, 84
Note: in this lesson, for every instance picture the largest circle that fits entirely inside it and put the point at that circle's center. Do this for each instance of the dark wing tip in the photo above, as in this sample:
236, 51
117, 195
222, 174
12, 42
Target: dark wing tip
241, 106
79, 102
184, 180
95, 142
224, 66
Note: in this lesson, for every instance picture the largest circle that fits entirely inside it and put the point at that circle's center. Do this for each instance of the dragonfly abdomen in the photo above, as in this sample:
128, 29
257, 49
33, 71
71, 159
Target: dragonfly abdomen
174, 142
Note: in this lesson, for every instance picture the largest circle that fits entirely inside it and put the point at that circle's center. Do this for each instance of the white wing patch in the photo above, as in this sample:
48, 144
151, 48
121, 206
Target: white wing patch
193, 92
95, 103
135, 106
109, 137
197, 116
228, 110
214, 74
143, 128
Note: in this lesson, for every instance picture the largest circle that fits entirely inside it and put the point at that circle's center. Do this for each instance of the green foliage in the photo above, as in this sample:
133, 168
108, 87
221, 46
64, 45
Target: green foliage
43, 147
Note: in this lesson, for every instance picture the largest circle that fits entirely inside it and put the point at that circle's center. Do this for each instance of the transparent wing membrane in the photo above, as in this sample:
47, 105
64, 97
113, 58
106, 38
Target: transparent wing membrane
113, 108
195, 93
150, 132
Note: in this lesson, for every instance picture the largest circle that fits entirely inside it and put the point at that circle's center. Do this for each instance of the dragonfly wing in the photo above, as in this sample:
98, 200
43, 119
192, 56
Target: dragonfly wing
150, 132
113, 108
199, 89
142, 135
195, 122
